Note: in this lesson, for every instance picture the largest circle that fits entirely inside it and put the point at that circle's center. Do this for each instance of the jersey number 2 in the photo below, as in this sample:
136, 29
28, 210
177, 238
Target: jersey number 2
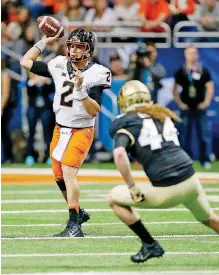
108, 77
68, 87
149, 134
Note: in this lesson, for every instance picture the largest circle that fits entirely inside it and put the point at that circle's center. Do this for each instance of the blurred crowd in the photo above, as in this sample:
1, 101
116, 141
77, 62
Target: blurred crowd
20, 32
150, 13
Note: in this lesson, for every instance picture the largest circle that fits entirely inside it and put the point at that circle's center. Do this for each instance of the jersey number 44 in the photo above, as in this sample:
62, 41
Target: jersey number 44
149, 134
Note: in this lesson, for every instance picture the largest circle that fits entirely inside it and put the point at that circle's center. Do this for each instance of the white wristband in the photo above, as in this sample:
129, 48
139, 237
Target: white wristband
41, 45
79, 94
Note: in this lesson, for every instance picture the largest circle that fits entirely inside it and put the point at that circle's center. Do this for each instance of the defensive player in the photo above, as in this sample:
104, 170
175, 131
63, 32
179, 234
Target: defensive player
147, 132
79, 86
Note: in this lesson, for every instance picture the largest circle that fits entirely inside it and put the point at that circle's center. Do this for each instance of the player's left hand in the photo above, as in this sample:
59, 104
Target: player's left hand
49, 40
136, 194
78, 77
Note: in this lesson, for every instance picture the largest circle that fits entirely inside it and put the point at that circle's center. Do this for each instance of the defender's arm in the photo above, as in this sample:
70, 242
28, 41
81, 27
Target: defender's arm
122, 142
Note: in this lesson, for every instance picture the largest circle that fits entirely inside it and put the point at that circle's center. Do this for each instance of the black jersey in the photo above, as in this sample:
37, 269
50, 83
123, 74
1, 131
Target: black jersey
155, 146
198, 80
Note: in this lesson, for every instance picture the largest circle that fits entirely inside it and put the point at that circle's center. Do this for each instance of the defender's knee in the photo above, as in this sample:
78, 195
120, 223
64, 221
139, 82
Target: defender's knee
113, 196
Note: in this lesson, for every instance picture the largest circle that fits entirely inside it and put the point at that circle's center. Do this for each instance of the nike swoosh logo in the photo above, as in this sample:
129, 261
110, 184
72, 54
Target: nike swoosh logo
71, 235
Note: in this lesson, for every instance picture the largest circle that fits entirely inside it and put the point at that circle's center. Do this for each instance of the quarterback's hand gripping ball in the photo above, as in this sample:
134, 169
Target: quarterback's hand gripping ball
136, 194
50, 26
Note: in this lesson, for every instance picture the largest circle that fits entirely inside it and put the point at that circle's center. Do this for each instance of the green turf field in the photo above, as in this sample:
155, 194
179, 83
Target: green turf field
110, 165
28, 246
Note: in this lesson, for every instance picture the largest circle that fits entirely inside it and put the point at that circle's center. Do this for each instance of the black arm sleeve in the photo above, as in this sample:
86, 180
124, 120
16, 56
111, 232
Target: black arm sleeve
40, 68
96, 93
122, 140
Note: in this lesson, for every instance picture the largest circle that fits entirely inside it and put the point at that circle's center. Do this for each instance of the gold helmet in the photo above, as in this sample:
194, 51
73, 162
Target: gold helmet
133, 94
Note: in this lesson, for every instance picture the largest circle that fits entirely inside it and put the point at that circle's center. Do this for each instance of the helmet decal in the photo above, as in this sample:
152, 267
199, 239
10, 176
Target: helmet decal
133, 94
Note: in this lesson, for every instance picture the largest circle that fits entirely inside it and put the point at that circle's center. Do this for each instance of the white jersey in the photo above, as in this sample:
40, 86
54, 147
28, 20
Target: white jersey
69, 112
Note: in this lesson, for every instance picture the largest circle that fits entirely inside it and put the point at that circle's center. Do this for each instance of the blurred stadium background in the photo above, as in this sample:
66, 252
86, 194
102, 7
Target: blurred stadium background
119, 30
33, 210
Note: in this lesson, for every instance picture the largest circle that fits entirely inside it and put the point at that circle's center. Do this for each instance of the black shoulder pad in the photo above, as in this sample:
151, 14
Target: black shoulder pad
122, 121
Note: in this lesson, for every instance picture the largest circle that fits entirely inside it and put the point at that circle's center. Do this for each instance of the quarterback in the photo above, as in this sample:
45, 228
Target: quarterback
79, 86
147, 132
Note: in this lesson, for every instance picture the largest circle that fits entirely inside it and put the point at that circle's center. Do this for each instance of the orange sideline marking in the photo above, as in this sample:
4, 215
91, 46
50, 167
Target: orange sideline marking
19, 179
39, 179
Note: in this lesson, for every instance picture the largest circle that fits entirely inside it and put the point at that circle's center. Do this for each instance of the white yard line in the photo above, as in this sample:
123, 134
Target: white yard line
215, 242
100, 254
63, 238
169, 237
90, 172
51, 201
166, 272
91, 224
49, 191
94, 210
89, 192
209, 189
96, 195
211, 198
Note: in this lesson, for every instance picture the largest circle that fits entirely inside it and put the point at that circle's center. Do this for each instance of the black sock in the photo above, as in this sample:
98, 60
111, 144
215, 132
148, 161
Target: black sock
139, 229
73, 215
61, 184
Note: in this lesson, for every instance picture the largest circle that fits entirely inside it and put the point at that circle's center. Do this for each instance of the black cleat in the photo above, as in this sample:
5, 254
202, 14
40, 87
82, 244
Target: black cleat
72, 230
83, 216
147, 252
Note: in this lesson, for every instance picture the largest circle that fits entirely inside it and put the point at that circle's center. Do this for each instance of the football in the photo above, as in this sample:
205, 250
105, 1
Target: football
50, 26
